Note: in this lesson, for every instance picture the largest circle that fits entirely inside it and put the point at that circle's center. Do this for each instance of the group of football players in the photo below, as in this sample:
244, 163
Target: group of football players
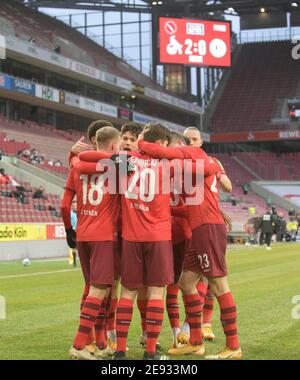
151, 241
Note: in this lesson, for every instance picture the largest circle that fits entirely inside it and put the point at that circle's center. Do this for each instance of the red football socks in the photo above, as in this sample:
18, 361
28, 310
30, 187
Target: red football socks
123, 317
202, 290
228, 320
89, 313
173, 305
111, 320
142, 305
100, 328
154, 319
193, 309
208, 307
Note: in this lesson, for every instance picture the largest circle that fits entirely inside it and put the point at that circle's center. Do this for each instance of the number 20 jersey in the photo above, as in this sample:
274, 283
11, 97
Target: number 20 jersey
97, 212
146, 213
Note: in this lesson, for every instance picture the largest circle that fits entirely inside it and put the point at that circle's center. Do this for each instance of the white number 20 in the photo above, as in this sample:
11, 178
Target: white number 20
131, 194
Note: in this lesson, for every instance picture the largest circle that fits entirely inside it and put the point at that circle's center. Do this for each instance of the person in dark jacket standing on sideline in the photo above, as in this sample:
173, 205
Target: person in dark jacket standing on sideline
267, 228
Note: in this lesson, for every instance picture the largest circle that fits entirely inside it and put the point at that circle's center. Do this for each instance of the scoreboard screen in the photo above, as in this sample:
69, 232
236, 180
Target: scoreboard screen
195, 42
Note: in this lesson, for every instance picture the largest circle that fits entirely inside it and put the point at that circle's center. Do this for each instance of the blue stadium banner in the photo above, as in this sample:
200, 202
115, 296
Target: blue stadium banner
22, 85
5, 81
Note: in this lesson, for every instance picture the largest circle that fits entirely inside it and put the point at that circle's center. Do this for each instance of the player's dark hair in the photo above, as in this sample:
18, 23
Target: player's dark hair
95, 126
133, 128
155, 131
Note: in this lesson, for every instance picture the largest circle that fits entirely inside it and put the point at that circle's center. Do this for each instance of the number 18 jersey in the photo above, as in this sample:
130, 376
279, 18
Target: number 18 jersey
97, 212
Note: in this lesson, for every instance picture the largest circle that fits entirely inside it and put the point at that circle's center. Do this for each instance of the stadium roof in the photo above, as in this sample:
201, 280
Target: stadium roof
186, 7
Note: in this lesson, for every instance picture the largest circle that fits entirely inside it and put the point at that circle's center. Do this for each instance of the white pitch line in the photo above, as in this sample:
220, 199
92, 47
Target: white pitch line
38, 273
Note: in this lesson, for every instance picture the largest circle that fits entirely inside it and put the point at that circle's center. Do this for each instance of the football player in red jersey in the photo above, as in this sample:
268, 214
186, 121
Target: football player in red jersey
181, 233
146, 230
129, 134
147, 259
112, 296
195, 139
95, 240
205, 258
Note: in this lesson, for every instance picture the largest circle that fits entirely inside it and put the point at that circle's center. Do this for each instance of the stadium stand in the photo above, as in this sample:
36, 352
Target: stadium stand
263, 73
270, 166
30, 210
47, 32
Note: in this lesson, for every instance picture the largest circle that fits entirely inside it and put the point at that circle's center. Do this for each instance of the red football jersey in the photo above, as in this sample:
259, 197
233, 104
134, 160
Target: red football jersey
208, 211
181, 229
97, 212
146, 214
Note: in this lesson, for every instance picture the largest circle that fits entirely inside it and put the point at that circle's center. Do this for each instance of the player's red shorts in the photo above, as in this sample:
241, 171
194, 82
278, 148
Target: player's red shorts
117, 261
146, 264
206, 252
97, 261
178, 257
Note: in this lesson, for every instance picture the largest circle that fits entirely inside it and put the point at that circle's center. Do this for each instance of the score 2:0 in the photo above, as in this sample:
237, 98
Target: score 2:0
190, 49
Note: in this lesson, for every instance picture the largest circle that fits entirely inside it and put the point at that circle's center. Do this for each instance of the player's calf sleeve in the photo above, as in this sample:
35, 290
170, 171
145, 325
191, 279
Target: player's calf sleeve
154, 319
229, 320
100, 328
173, 305
89, 313
208, 307
123, 320
193, 309
142, 306
111, 321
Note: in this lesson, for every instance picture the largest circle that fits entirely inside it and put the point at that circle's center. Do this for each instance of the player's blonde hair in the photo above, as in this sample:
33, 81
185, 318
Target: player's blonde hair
106, 135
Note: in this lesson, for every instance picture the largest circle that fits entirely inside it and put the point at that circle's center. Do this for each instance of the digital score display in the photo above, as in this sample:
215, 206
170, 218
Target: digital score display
195, 42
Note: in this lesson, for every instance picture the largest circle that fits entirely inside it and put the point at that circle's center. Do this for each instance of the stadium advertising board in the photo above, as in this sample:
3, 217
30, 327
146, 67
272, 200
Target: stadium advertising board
21, 232
124, 83
29, 49
22, 85
47, 93
55, 231
71, 99
83, 69
124, 114
97, 107
43, 55
25, 232
195, 42
169, 99
109, 78
108, 110
255, 136
5, 81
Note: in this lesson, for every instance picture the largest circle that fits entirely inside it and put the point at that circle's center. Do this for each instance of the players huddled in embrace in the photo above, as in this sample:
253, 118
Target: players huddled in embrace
149, 223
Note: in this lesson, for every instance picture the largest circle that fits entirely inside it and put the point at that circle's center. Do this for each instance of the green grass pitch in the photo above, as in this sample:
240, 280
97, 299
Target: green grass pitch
43, 307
